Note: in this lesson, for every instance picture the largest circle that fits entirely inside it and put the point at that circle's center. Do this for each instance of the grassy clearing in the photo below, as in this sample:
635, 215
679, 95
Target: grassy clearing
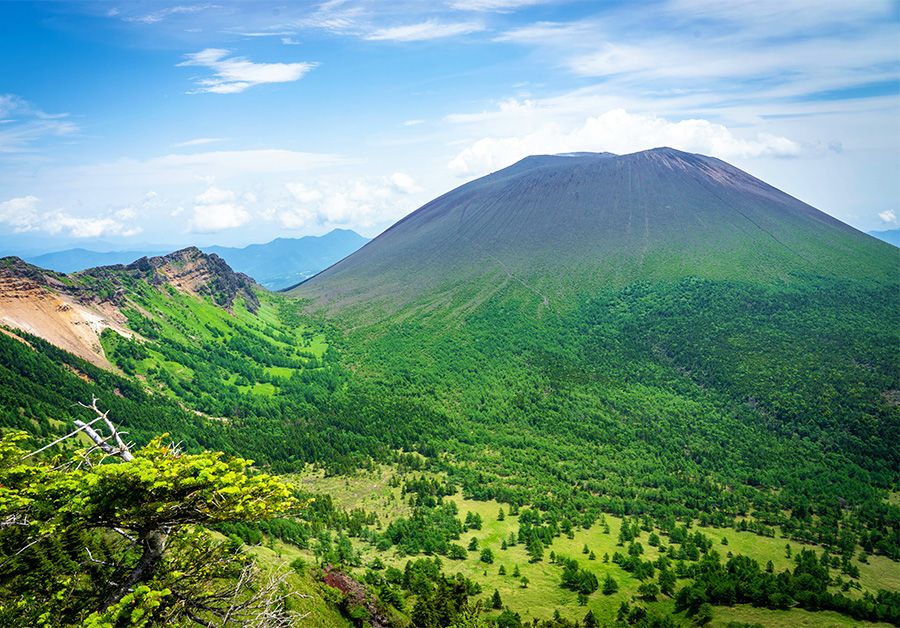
795, 617
371, 490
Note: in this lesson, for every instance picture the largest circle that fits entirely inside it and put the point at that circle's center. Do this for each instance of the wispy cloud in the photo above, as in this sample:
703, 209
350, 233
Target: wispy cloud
232, 75
160, 15
199, 141
499, 6
22, 124
422, 31
751, 51
335, 16
181, 168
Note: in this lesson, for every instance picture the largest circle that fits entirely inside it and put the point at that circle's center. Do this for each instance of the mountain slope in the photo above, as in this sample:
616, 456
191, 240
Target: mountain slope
72, 311
561, 225
654, 330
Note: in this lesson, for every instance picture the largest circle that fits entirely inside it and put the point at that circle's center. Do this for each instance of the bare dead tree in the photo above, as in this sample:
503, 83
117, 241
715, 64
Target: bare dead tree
258, 601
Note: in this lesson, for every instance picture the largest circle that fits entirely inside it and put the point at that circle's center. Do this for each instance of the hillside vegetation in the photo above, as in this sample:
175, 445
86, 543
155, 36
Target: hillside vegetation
712, 426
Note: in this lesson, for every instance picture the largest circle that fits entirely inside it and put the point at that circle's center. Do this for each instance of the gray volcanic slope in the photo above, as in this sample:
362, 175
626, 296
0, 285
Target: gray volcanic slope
569, 224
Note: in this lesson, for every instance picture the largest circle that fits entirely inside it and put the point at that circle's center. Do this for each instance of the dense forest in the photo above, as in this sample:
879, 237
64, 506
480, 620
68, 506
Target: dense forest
756, 408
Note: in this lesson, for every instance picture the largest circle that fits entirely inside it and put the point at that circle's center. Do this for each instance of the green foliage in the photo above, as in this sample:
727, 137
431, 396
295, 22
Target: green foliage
122, 543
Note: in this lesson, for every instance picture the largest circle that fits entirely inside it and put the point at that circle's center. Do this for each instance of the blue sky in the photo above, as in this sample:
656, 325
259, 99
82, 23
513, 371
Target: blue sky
127, 125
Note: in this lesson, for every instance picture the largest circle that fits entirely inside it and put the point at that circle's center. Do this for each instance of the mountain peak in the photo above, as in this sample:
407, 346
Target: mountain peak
560, 225
193, 271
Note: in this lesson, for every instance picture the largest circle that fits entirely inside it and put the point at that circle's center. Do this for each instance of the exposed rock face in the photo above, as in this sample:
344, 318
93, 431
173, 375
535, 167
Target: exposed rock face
48, 305
193, 271
71, 311
357, 595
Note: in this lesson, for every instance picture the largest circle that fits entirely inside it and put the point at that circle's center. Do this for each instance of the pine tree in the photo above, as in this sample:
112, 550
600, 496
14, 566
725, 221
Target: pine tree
496, 602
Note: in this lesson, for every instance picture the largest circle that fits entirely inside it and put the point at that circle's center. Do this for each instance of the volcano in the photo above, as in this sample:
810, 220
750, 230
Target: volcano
564, 225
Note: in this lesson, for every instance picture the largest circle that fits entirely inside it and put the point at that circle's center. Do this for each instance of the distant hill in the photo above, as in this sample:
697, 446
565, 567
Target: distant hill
277, 264
560, 225
283, 262
74, 260
892, 236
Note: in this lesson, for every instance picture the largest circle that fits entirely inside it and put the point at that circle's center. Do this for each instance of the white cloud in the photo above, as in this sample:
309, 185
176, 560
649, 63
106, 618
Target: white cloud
23, 124
617, 131
771, 17
162, 14
217, 210
232, 75
188, 167
85, 227
362, 202
199, 141
421, 31
289, 41
414, 122
404, 183
20, 213
500, 6
335, 16
23, 214
888, 216
303, 194
126, 213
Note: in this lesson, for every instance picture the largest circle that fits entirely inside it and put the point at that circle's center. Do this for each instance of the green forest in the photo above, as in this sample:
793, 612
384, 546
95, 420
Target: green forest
638, 422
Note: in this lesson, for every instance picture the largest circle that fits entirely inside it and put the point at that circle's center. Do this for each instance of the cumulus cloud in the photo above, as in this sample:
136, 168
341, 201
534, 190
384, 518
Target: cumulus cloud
20, 213
404, 183
362, 202
217, 210
888, 216
421, 31
232, 75
24, 214
617, 131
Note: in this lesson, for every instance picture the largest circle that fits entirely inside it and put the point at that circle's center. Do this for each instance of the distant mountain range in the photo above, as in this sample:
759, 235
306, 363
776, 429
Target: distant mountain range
278, 264
891, 236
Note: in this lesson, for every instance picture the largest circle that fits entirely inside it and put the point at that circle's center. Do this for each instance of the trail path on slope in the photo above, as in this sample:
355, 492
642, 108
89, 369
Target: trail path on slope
545, 300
